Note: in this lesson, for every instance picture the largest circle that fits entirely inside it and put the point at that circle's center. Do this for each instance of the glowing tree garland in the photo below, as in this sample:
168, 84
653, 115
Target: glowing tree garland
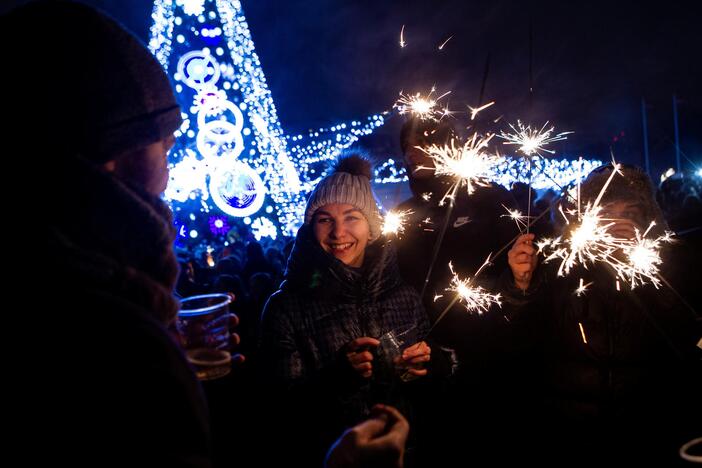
231, 152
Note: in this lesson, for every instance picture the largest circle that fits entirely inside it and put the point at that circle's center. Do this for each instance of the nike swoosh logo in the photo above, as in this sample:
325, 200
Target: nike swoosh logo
460, 221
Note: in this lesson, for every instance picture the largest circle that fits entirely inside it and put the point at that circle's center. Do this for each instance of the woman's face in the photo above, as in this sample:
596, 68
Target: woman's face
343, 231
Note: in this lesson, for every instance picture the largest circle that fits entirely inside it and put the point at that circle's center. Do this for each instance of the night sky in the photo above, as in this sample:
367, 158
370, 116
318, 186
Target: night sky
592, 63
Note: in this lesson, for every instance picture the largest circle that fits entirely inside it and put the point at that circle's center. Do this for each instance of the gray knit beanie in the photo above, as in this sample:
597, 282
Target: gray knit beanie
349, 183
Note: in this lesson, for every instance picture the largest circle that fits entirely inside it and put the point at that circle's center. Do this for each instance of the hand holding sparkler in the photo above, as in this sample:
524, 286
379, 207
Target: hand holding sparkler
522, 259
415, 354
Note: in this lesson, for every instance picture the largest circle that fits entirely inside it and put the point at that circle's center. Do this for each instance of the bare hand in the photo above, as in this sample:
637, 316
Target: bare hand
522, 260
235, 340
414, 356
378, 441
359, 355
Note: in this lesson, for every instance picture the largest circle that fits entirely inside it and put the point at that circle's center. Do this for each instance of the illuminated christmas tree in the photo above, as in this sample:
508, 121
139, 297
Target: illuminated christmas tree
231, 154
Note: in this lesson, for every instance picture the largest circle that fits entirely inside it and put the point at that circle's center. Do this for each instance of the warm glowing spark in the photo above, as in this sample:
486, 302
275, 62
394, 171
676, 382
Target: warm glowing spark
393, 222
402, 36
517, 217
582, 332
642, 258
532, 141
587, 241
582, 288
426, 196
469, 164
424, 107
475, 298
444, 43
635, 261
474, 110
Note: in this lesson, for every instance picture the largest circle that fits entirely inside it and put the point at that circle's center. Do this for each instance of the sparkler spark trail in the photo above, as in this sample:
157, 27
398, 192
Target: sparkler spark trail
445, 42
635, 261
474, 110
642, 258
582, 288
424, 107
393, 222
402, 37
588, 242
582, 332
517, 217
469, 164
475, 298
532, 141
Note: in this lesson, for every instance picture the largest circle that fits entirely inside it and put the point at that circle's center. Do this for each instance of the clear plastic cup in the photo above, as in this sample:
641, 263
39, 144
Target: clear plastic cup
203, 325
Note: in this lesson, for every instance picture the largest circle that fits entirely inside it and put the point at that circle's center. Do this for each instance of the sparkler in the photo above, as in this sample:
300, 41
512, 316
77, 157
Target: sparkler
517, 217
475, 298
586, 243
641, 258
635, 261
424, 107
393, 222
532, 142
402, 37
469, 164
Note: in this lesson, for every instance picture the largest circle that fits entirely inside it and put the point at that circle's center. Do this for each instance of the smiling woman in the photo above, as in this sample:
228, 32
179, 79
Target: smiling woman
321, 331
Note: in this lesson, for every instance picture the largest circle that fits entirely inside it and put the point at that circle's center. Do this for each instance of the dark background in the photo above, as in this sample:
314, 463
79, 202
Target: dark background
592, 63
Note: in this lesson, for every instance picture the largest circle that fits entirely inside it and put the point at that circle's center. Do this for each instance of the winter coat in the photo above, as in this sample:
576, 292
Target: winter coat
321, 306
616, 372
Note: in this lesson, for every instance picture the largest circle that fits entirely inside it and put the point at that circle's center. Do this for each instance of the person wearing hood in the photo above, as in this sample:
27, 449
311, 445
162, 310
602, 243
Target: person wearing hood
616, 369
341, 292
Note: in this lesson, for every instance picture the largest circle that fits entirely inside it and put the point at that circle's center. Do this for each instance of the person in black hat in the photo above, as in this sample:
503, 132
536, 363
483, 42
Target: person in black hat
95, 113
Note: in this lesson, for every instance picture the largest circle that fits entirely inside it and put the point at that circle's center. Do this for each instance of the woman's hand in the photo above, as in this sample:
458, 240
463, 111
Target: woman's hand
359, 355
